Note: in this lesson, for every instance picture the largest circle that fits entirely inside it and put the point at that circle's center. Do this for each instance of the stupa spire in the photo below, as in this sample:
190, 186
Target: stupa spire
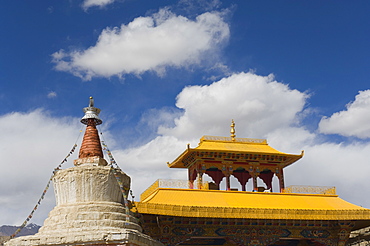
91, 146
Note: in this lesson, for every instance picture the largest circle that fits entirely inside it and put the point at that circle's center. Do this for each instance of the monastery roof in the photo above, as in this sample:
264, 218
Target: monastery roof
252, 205
257, 149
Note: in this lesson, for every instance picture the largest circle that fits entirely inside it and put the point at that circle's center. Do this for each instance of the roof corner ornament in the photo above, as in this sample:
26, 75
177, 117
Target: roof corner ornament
232, 131
91, 113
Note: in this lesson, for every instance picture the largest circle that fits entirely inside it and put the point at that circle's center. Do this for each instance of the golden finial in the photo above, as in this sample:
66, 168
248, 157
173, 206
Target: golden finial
232, 131
91, 102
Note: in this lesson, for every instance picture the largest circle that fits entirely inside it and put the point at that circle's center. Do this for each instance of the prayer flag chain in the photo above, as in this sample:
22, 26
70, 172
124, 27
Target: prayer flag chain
43, 193
116, 171
111, 159
123, 191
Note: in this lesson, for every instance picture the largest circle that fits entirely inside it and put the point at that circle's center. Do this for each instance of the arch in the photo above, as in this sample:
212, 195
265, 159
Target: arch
242, 176
216, 174
266, 175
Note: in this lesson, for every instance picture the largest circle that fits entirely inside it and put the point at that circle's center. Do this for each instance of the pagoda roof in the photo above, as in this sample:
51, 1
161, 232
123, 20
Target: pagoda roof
251, 205
258, 149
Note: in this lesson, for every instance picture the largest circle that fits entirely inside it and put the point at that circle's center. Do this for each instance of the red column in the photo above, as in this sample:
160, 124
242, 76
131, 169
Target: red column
200, 179
228, 181
192, 176
254, 175
281, 180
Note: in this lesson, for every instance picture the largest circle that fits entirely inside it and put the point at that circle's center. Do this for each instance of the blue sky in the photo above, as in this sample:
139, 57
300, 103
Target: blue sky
165, 73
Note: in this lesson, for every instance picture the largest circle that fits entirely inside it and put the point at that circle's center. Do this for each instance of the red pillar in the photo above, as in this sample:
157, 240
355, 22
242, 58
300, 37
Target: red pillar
200, 179
254, 175
228, 181
281, 180
192, 174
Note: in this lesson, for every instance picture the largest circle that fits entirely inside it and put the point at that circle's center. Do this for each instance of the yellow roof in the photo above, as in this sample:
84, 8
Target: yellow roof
258, 150
249, 145
253, 205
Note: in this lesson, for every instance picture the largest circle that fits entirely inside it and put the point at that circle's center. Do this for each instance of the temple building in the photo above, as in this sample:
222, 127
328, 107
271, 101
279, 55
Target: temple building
199, 213
91, 201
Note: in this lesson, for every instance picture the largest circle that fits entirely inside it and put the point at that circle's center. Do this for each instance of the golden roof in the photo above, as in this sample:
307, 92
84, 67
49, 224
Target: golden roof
251, 205
237, 149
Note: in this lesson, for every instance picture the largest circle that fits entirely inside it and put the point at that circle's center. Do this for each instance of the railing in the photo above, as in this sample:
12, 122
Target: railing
302, 189
229, 139
184, 184
170, 183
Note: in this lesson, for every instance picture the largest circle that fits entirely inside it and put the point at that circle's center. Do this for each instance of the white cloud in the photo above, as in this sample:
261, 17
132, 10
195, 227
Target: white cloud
354, 121
147, 44
147, 163
52, 94
32, 145
344, 166
98, 3
258, 104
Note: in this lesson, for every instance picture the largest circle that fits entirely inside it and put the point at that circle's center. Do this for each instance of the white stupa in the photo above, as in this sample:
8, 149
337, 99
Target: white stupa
91, 208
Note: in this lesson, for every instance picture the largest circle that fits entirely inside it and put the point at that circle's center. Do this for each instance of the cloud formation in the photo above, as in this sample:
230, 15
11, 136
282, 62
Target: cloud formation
352, 122
52, 94
32, 145
258, 103
149, 43
344, 166
98, 3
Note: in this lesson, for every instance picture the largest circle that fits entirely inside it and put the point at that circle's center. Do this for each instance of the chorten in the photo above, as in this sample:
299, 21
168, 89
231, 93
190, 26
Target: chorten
91, 200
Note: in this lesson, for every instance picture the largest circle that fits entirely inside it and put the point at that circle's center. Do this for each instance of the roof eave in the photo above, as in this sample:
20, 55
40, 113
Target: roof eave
177, 163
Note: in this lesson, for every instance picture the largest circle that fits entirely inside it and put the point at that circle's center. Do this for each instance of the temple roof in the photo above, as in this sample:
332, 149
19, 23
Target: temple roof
249, 145
251, 205
257, 150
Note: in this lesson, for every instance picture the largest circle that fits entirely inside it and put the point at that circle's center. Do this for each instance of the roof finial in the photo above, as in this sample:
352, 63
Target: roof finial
232, 131
91, 103
91, 113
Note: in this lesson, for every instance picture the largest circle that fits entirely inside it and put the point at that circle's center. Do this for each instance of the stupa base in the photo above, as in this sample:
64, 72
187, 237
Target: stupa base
124, 237
89, 223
